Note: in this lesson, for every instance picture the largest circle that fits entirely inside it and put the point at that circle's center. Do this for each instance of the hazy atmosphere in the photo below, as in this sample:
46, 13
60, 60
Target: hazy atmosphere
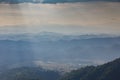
67, 18
44, 39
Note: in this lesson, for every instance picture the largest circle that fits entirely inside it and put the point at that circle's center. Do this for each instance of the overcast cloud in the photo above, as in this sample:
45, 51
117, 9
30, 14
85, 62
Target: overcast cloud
67, 18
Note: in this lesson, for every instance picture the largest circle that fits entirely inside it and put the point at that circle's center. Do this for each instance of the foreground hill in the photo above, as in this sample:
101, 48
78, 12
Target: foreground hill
29, 73
108, 71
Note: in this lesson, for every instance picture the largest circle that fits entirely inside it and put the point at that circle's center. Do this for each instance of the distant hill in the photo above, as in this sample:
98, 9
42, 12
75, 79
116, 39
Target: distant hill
108, 71
79, 50
29, 73
50, 1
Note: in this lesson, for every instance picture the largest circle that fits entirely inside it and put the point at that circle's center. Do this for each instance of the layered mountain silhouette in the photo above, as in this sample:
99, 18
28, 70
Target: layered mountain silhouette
20, 50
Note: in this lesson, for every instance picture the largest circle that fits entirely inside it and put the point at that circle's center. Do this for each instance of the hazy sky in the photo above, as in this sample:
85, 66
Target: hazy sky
66, 18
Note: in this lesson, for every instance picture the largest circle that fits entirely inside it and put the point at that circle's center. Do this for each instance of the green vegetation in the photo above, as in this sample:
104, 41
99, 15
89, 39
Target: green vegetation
108, 71
29, 73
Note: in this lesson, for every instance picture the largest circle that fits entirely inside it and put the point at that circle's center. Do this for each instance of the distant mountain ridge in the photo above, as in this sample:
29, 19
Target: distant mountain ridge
78, 50
51, 36
50, 1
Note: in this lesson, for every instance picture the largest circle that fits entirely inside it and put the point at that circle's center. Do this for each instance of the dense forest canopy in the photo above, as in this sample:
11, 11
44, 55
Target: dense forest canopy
108, 71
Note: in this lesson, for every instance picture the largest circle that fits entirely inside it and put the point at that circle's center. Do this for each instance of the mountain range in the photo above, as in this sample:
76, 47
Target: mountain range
39, 49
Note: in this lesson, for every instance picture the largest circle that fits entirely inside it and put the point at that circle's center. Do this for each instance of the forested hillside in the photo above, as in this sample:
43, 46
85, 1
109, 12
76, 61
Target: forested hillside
108, 71
29, 73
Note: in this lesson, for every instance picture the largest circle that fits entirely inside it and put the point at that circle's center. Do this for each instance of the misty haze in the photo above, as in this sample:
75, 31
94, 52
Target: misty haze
59, 39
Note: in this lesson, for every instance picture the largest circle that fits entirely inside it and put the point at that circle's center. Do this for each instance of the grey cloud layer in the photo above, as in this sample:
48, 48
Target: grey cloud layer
51, 1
